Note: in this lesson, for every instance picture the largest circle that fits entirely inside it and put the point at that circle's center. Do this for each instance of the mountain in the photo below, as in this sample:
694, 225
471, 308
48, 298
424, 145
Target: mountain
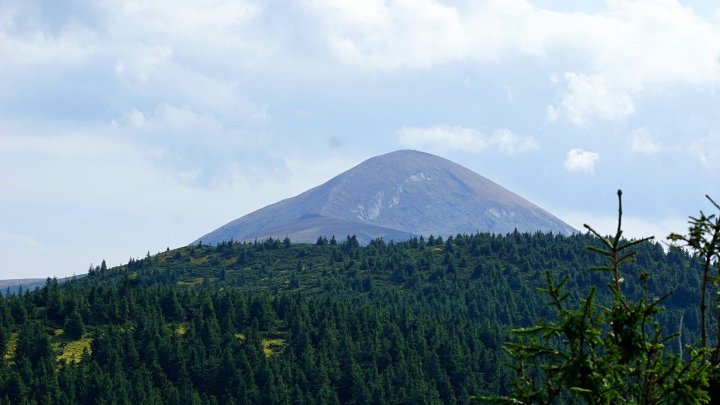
394, 196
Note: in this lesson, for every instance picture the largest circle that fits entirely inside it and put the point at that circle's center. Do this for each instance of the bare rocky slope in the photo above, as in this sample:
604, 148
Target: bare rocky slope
394, 196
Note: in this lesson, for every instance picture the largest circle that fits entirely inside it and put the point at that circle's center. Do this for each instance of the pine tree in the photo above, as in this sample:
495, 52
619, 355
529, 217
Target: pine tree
703, 239
74, 326
599, 354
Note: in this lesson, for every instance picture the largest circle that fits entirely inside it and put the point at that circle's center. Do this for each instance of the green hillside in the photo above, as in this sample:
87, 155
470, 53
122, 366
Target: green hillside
420, 321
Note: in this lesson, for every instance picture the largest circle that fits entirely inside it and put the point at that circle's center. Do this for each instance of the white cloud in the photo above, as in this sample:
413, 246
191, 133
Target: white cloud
25, 43
192, 53
154, 72
135, 118
370, 34
458, 138
511, 143
707, 151
178, 127
579, 160
635, 46
189, 18
633, 226
589, 97
417, 33
641, 140
623, 50
551, 114
200, 148
445, 138
169, 119
189, 53
142, 64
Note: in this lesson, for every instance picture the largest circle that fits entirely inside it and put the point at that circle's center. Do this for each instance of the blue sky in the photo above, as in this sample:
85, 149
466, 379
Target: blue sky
129, 126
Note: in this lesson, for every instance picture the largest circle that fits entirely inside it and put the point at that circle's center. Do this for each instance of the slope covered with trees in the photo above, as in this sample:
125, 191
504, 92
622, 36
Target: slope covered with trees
606, 353
420, 321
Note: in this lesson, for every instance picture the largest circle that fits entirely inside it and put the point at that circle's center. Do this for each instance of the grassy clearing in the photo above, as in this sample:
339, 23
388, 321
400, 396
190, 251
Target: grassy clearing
273, 346
73, 350
192, 283
11, 347
199, 260
270, 345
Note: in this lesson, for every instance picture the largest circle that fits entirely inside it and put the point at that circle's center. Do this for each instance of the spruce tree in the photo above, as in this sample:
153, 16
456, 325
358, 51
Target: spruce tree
74, 326
599, 354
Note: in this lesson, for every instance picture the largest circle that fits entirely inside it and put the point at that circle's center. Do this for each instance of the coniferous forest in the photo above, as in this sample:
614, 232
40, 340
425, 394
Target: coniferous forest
421, 321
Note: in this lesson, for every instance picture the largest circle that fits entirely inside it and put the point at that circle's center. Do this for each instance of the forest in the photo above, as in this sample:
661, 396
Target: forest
421, 321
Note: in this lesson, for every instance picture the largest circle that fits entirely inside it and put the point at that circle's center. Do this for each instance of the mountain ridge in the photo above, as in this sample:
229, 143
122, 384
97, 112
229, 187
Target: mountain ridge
394, 196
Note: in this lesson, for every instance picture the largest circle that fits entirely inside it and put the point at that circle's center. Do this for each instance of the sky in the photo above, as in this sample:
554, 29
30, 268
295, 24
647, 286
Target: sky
131, 126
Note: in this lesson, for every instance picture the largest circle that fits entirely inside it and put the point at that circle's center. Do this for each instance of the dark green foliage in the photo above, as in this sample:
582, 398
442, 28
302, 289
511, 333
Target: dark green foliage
421, 321
74, 326
703, 239
33, 344
604, 354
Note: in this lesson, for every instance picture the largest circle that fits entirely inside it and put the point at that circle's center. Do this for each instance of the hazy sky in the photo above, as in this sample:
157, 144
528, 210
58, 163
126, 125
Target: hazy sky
132, 126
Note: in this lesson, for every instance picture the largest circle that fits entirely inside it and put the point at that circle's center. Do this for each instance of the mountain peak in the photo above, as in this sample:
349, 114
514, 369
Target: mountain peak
395, 196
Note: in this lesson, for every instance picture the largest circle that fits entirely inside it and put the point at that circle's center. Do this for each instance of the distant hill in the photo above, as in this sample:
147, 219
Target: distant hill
25, 283
19, 281
394, 196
